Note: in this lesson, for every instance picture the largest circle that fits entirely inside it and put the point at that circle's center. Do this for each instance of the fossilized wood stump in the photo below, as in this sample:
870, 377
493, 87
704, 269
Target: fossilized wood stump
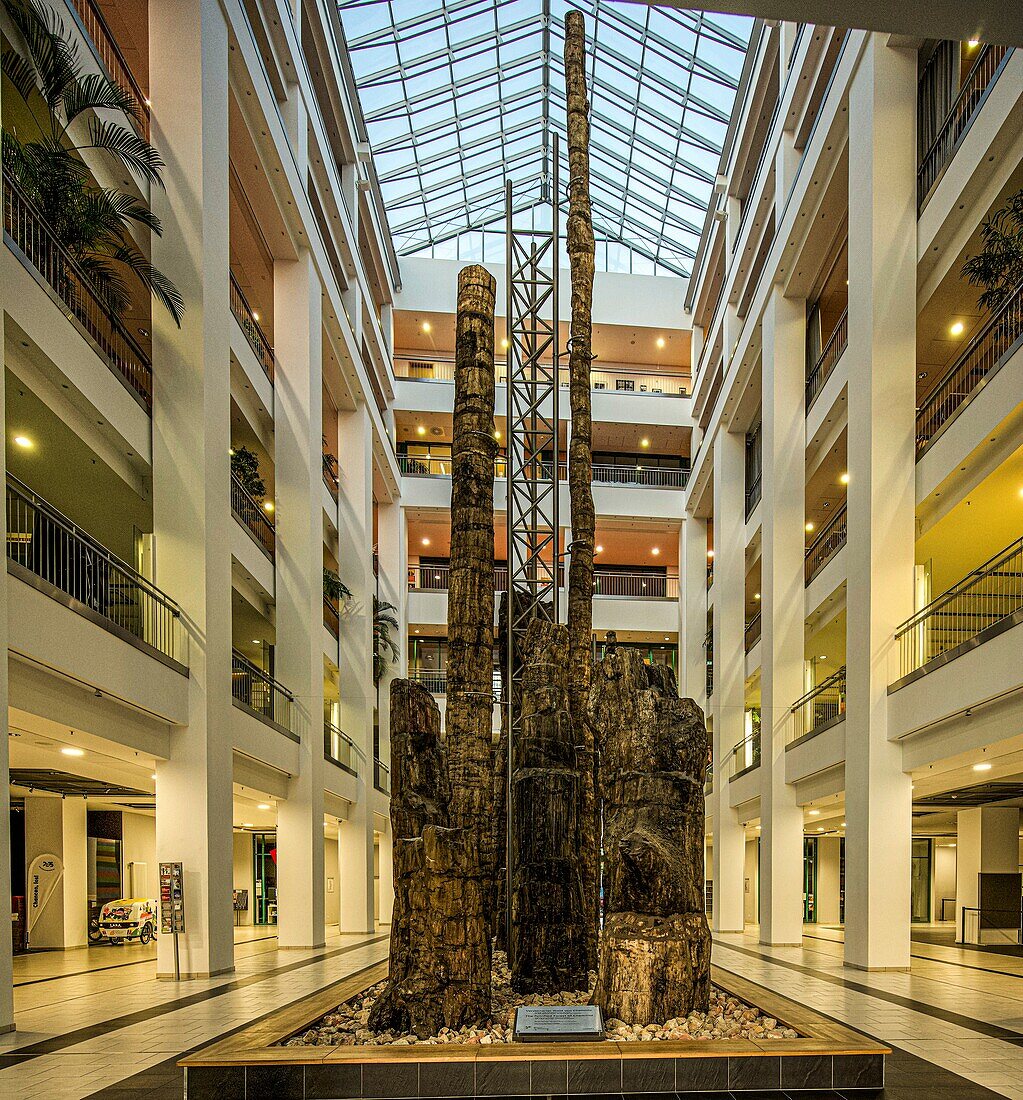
548, 949
655, 952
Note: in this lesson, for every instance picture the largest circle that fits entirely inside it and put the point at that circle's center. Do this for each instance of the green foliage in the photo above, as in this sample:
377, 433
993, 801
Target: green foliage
91, 222
998, 268
245, 467
384, 645
334, 589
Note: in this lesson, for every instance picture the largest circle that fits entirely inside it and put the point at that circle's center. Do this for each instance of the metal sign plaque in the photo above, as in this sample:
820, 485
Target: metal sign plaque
558, 1024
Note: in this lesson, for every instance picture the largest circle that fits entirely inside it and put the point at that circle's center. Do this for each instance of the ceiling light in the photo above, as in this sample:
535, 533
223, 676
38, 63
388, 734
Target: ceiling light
973, 43
426, 542
809, 526
844, 479
820, 829
951, 846
246, 824
957, 328
497, 434
822, 657
268, 505
504, 344
710, 553
655, 551
660, 341
421, 429
24, 442
982, 767
756, 595
263, 806
416, 632
843, 824
255, 315
70, 750
644, 442
256, 641
667, 638
814, 813
426, 326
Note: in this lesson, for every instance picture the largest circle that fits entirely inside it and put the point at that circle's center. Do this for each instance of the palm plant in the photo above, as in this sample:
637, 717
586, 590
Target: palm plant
998, 268
92, 223
384, 645
334, 589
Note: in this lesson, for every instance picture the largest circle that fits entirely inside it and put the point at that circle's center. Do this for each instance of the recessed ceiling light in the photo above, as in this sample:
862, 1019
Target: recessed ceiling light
823, 657
843, 824
426, 326
153, 776
982, 767
660, 341
268, 505
644, 442
246, 824
655, 550
421, 429
255, 315
956, 329
497, 434
809, 526
973, 43
814, 813
756, 595
263, 806
844, 479
24, 442
710, 553
504, 344
667, 638
426, 542
70, 750
415, 631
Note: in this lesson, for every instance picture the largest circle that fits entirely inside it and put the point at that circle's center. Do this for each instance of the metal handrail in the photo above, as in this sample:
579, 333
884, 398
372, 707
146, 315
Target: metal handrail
330, 474
982, 357
987, 596
251, 330
708, 645
990, 925
252, 517
381, 776
108, 53
745, 754
751, 635
829, 540
436, 680
638, 586
339, 748
434, 578
820, 705
753, 493
332, 616
49, 546
655, 477
963, 111
820, 372
30, 237
259, 692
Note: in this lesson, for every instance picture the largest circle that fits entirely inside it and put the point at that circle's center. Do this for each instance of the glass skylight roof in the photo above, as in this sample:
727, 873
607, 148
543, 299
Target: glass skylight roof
461, 95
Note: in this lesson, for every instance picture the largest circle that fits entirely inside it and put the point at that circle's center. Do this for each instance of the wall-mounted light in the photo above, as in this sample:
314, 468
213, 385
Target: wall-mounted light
24, 442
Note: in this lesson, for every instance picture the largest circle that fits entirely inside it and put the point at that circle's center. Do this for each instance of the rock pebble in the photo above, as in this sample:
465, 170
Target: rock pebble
727, 1018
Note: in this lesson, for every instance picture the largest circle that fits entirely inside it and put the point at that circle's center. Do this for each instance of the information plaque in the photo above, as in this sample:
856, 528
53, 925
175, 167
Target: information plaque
172, 899
558, 1024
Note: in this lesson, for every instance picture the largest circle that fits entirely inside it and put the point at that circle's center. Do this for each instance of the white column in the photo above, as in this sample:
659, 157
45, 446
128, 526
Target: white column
358, 695
728, 700
298, 395
881, 496
987, 843
191, 465
782, 614
57, 826
693, 582
6, 969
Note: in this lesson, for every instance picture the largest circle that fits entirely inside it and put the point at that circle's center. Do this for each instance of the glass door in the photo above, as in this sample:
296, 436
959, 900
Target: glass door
810, 879
264, 873
920, 883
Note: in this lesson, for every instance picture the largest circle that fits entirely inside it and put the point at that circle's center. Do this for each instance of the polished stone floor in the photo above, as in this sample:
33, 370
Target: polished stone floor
96, 1023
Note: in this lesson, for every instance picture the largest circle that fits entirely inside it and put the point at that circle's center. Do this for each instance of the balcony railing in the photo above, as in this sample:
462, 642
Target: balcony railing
255, 336
989, 64
339, 748
820, 371
331, 617
381, 776
257, 691
32, 240
753, 491
987, 601
708, 647
752, 633
330, 474
746, 754
651, 477
635, 586
1000, 337
435, 680
252, 516
108, 53
434, 578
820, 707
618, 379
830, 539
53, 554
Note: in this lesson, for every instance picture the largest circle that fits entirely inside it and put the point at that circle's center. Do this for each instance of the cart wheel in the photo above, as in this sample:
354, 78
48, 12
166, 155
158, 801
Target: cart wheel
116, 941
146, 935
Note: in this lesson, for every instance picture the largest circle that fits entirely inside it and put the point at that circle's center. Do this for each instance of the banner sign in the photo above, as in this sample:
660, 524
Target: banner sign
44, 872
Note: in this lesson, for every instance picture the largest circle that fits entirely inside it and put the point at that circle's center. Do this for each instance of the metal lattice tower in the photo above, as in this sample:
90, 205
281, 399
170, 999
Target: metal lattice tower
531, 432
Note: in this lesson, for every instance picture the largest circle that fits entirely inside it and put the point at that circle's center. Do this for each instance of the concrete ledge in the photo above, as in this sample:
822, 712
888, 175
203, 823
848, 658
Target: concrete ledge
251, 1064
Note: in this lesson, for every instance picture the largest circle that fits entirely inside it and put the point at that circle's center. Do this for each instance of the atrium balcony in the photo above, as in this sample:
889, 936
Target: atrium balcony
258, 694
339, 749
829, 540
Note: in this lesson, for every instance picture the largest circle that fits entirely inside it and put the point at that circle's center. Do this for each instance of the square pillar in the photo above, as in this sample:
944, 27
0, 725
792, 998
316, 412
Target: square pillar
782, 613
191, 466
728, 700
358, 692
56, 826
6, 969
987, 844
298, 394
693, 574
881, 497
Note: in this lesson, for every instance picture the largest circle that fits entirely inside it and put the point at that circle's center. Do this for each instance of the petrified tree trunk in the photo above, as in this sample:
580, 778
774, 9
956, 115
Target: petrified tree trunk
655, 951
470, 701
548, 924
580, 459
413, 997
